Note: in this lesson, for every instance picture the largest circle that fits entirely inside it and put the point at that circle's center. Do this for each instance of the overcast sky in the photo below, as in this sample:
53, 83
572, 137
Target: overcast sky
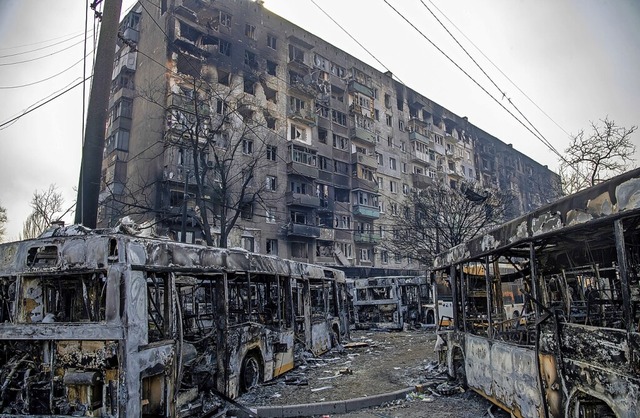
577, 60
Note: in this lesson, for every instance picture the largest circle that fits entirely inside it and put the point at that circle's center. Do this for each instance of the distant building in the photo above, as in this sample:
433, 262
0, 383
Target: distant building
345, 143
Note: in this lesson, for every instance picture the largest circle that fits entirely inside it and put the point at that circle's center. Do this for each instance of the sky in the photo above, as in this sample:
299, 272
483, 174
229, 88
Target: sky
562, 63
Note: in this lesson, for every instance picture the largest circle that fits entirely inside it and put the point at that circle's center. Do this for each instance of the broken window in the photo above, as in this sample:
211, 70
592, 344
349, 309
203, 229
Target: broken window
322, 111
299, 250
270, 94
337, 70
189, 33
250, 31
225, 47
342, 222
272, 247
250, 58
340, 142
322, 135
271, 183
246, 210
249, 86
270, 122
296, 104
297, 132
247, 146
272, 152
337, 94
224, 77
74, 298
270, 215
339, 117
324, 163
225, 19
320, 62
272, 68
299, 218
295, 53
341, 167
303, 155
298, 187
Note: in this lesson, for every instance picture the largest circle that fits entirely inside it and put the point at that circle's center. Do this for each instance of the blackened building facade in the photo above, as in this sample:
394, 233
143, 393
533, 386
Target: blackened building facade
340, 144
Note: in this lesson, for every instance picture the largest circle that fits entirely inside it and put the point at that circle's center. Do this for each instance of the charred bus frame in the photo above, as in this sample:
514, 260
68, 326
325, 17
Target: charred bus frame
574, 350
389, 302
108, 324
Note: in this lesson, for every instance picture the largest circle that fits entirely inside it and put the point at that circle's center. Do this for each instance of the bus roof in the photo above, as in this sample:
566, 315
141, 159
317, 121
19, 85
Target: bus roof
89, 250
609, 200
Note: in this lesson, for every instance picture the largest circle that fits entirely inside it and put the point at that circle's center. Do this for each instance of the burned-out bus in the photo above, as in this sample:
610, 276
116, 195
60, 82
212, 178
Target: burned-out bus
109, 324
572, 349
391, 302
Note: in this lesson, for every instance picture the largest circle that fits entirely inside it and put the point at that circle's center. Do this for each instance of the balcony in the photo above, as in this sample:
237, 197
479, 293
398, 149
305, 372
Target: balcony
299, 230
455, 174
366, 238
421, 181
302, 170
299, 65
363, 135
327, 234
452, 154
366, 211
416, 136
360, 88
300, 199
126, 61
368, 185
450, 138
341, 180
302, 88
303, 116
420, 157
366, 160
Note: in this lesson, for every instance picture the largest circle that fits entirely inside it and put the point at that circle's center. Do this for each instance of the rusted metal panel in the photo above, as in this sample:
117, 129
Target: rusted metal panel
506, 373
599, 362
320, 337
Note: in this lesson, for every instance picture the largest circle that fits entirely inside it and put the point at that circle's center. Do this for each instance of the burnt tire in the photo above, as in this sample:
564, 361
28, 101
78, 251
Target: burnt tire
250, 373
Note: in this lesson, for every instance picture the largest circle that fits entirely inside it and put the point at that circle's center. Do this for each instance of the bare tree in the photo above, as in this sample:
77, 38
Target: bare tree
226, 140
215, 142
439, 217
47, 208
3, 222
596, 156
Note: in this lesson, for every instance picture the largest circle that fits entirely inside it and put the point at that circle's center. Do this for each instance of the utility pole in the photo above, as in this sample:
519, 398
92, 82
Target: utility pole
93, 145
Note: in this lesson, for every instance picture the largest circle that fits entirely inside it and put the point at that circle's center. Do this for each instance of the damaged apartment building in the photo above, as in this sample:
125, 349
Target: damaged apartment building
225, 105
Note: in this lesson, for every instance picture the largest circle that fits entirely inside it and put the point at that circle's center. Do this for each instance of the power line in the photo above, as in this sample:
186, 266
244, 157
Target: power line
41, 48
45, 79
472, 79
546, 142
43, 56
44, 103
499, 70
353, 38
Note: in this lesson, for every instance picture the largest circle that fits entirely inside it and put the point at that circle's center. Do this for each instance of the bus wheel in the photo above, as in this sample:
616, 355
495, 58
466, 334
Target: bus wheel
251, 372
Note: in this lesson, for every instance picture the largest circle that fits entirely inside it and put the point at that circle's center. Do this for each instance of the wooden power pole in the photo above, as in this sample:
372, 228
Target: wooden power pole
93, 144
